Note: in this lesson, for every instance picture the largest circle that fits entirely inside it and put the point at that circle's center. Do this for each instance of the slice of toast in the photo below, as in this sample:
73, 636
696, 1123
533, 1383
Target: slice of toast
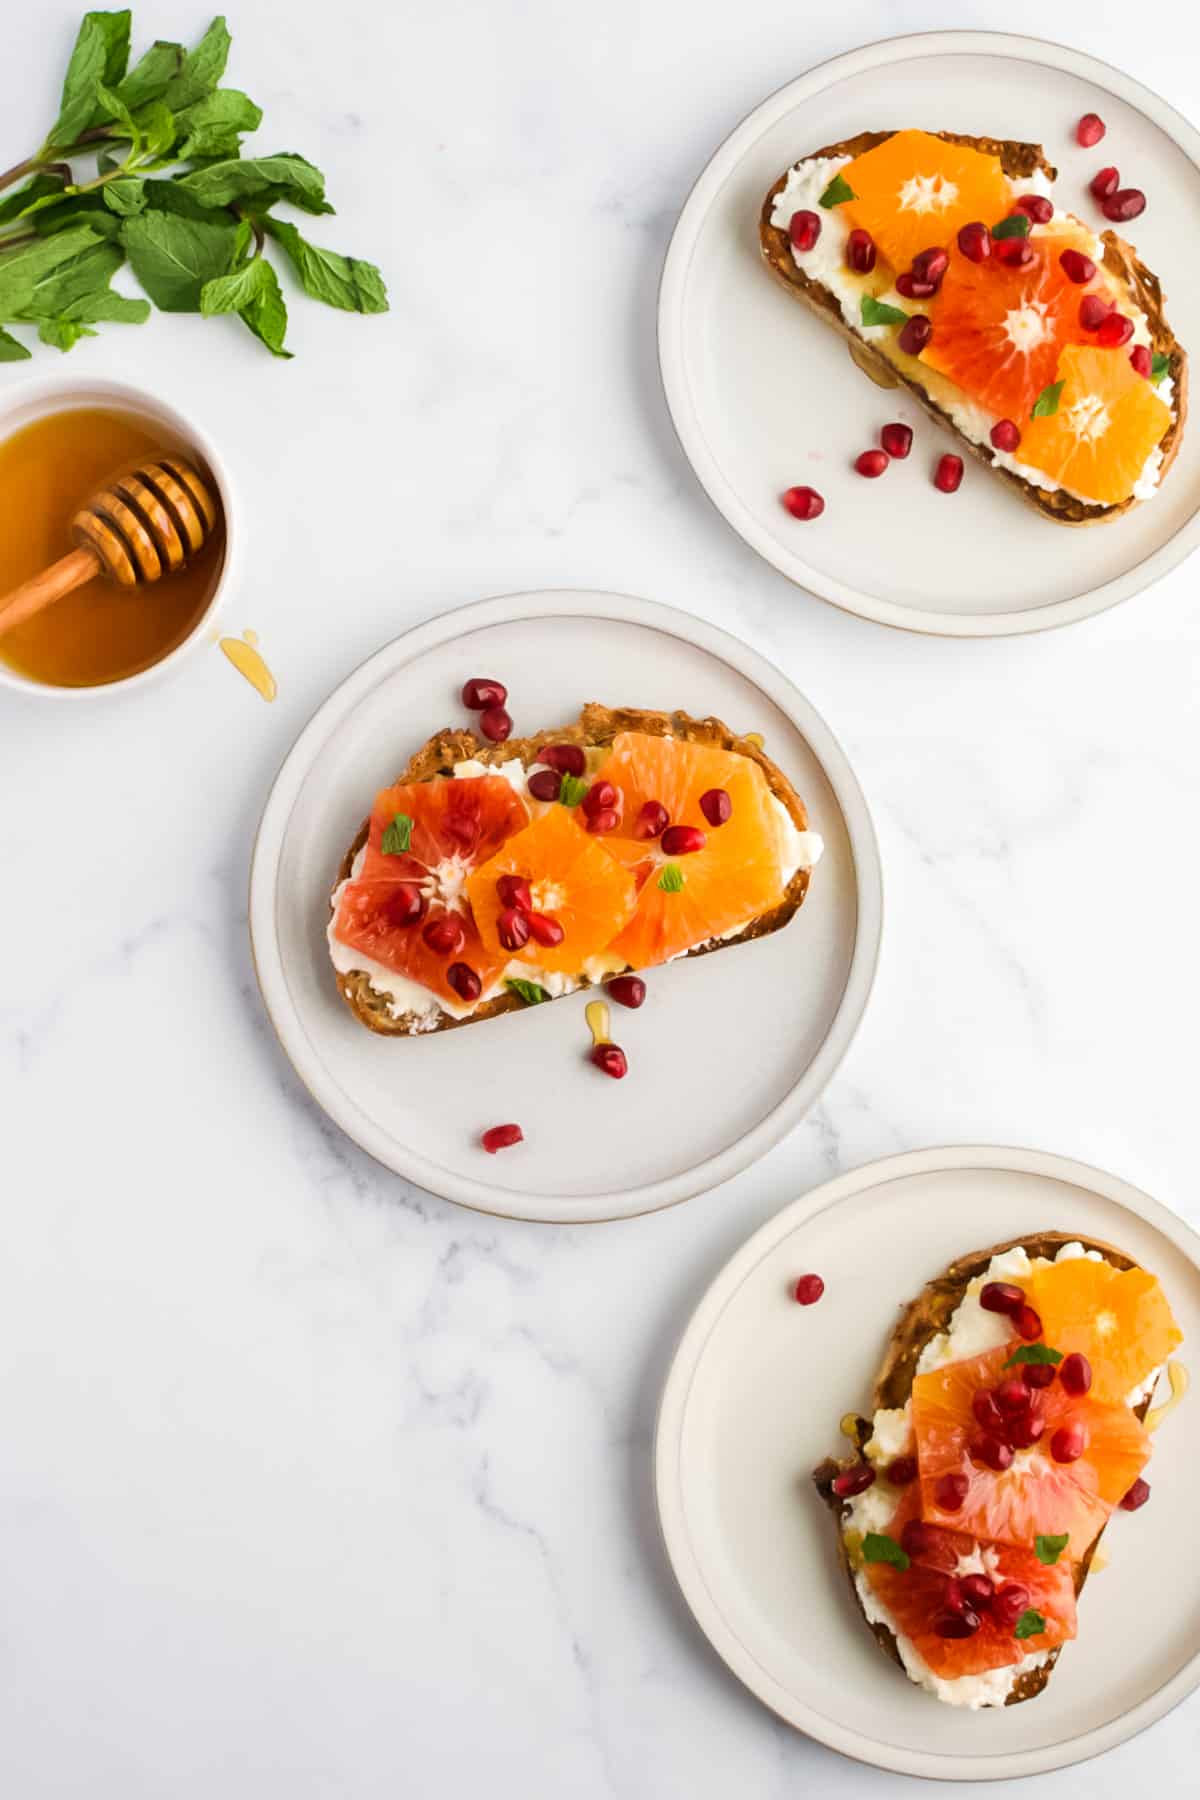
595, 728
1121, 262
921, 1321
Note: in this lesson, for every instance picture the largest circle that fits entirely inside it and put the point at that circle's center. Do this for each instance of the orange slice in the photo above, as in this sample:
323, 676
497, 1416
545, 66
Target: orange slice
915, 191
1037, 1494
1118, 1318
737, 875
1109, 419
572, 878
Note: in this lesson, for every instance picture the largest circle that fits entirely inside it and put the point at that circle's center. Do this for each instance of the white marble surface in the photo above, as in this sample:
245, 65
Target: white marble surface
314, 1486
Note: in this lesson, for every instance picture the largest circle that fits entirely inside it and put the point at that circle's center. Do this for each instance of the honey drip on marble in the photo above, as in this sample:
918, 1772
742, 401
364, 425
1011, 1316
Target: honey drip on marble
1178, 1377
248, 660
597, 1015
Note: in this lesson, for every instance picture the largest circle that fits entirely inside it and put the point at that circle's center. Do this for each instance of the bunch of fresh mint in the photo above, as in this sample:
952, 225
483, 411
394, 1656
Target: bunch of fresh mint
194, 238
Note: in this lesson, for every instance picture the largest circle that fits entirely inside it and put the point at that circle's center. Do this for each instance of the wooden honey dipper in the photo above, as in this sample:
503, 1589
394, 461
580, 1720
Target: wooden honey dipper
140, 527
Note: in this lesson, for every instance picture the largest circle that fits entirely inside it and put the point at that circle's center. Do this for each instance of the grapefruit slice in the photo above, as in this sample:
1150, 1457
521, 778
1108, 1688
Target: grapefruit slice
450, 827
914, 191
572, 879
1118, 1318
1109, 419
686, 900
1037, 1494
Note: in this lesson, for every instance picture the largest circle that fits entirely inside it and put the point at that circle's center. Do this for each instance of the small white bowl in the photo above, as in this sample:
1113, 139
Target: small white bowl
35, 400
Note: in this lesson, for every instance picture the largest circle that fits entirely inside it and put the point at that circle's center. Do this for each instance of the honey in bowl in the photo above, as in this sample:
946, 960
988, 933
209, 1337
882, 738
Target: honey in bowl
101, 632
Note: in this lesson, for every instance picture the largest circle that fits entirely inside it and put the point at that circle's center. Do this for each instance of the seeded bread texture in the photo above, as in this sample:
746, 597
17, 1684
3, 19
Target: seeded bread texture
1120, 260
920, 1321
596, 727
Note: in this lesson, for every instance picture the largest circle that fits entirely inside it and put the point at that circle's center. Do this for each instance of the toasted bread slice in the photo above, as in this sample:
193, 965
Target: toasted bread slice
596, 727
1018, 161
920, 1321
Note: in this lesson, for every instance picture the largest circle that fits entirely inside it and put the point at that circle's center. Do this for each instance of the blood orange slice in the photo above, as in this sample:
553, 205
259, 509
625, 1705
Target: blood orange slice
914, 191
1036, 1494
1109, 419
572, 879
436, 833
1118, 1318
686, 900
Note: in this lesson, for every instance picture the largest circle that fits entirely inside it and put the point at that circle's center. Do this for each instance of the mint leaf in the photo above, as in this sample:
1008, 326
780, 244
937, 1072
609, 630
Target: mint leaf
252, 292
573, 788
1016, 225
878, 1547
63, 334
175, 257
671, 879
339, 281
115, 115
1159, 364
398, 836
126, 196
213, 126
285, 177
11, 349
150, 78
98, 59
838, 190
1047, 401
1049, 1549
1030, 1624
44, 188
47, 278
1034, 1353
202, 68
158, 130
529, 991
878, 312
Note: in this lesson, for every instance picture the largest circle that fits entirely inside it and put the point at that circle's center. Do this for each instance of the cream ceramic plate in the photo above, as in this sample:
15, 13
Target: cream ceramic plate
727, 1053
752, 1403
764, 395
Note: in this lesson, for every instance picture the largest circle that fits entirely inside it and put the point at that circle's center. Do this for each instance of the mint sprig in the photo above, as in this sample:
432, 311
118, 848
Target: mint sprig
877, 1547
1016, 225
1050, 1548
1160, 362
573, 788
1034, 1353
1030, 1624
530, 991
1046, 404
838, 191
878, 312
671, 879
397, 836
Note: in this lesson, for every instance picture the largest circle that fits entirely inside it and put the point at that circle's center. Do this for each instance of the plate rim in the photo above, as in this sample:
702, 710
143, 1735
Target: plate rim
607, 606
667, 1470
673, 362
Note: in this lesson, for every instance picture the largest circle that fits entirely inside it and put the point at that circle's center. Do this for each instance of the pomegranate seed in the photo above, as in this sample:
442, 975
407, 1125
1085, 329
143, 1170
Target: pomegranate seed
1005, 436
1077, 267
950, 1491
896, 440
948, 474
602, 796
1126, 203
514, 891
1028, 1323
803, 503
480, 693
953, 1598
1141, 359
716, 806
607, 818
1089, 130
652, 821
912, 289
915, 335
860, 252
917, 1539
1114, 331
1038, 1375
930, 265
986, 1412
1137, 1496
1093, 310
1026, 1430
808, 1291
610, 1058
853, 1481
499, 1137
902, 1471
465, 982
1014, 252
1069, 1442
544, 930
512, 928
1035, 207
1001, 1296
495, 724
545, 784
568, 759
1011, 1395
978, 1591
975, 241
445, 936
405, 904
1009, 1603
804, 228
871, 463
1075, 1373
683, 840
627, 990
1105, 182
992, 1451
957, 1624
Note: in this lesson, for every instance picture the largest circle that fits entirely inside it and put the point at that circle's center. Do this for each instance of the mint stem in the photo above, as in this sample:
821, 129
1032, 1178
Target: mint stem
39, 165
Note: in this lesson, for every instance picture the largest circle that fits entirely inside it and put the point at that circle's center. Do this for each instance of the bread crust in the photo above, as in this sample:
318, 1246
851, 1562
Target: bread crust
920, 1321
596, 726
1120, 260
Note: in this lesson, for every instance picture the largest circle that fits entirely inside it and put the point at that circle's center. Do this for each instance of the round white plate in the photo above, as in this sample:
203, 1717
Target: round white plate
727, 1053
764, 395
752, 1404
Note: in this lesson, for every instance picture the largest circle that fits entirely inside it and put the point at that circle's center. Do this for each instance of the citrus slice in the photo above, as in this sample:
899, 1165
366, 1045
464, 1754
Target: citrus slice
1037, 1494
915, 190
998, 332
685, 900
1109, 419
1118, 1318
447, 827
573, 880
